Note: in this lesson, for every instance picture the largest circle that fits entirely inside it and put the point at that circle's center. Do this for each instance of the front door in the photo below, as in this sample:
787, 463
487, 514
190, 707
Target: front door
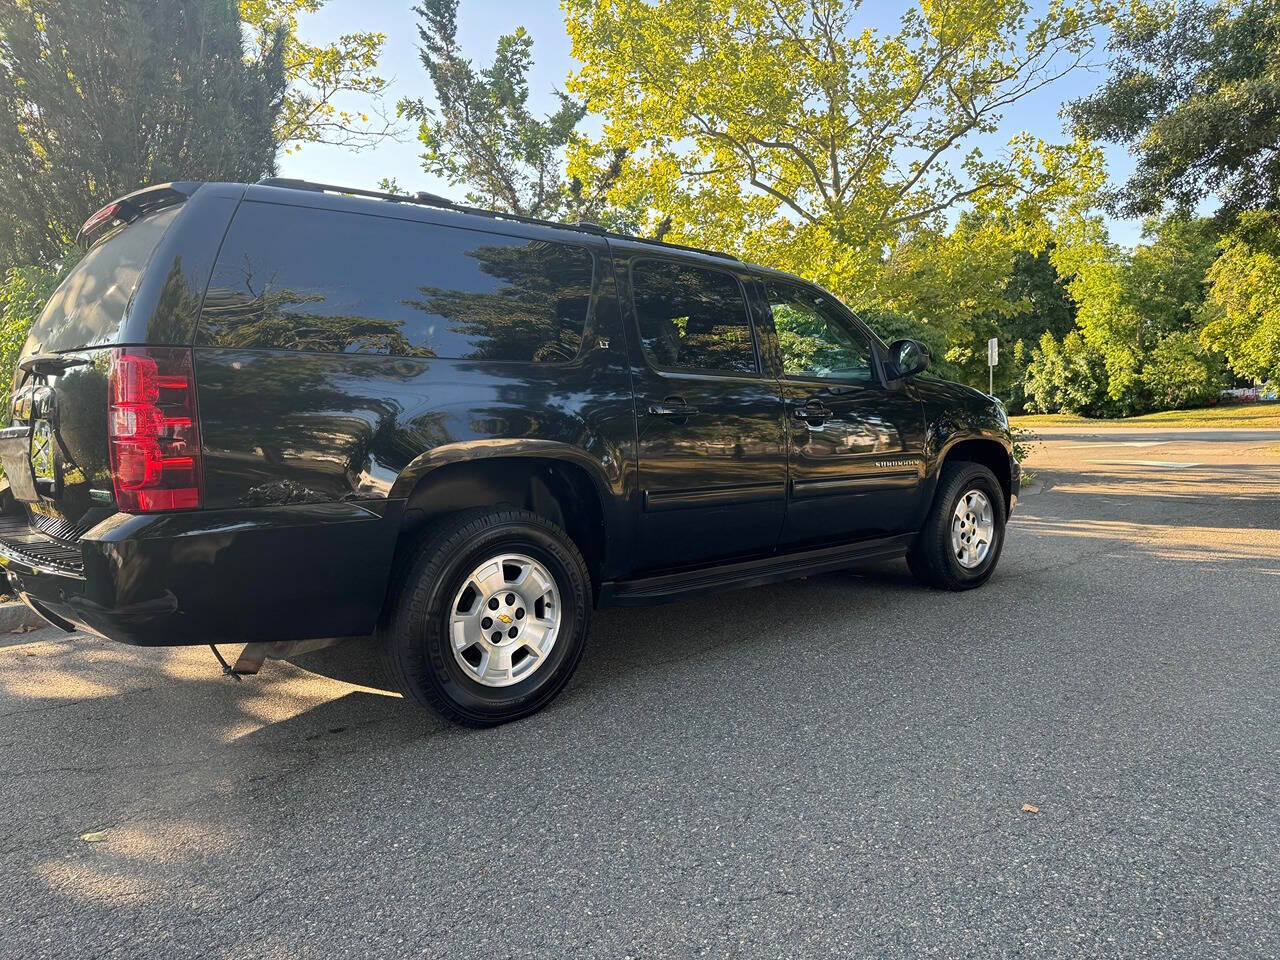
855, 442
711, 429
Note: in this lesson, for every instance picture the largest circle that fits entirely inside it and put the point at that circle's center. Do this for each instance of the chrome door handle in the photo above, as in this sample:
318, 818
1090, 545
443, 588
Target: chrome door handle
814, 413
666, 409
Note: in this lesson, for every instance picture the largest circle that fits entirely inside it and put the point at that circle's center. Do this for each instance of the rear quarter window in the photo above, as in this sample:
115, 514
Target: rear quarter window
296, 278
89, 307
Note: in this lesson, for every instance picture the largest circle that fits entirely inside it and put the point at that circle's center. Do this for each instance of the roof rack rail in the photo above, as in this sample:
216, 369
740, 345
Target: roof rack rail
422, 197
425, 199
677, 246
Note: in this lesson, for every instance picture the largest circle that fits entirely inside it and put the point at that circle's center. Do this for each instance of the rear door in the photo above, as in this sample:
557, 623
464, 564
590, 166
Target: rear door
710, 427
855, 443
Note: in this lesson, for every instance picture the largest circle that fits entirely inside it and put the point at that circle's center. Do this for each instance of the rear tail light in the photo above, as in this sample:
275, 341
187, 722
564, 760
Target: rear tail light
155, 433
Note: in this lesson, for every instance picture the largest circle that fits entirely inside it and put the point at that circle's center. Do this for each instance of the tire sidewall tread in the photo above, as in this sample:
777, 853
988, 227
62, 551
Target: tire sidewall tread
413, 640
930, 557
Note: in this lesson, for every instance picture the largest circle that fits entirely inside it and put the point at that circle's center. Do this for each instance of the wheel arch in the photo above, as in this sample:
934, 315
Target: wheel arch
561, 483
992, 452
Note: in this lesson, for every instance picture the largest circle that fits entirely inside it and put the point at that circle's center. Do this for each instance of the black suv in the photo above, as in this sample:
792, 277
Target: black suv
283, 412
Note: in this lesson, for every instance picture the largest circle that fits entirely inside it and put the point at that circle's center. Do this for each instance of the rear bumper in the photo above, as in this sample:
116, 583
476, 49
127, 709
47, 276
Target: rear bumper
294, 572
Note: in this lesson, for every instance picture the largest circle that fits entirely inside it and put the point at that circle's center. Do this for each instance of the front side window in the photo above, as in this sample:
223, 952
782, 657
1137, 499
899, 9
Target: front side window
692, 318
815, 340
296, 278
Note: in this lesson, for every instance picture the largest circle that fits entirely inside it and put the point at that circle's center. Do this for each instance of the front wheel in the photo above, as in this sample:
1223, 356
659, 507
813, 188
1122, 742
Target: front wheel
490, 617
959, 545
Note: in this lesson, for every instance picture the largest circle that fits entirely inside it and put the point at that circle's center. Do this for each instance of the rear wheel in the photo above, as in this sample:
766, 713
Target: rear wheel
490, 617
960, 543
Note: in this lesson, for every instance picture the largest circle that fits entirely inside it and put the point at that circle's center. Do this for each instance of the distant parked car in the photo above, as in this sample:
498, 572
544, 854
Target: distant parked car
279, 412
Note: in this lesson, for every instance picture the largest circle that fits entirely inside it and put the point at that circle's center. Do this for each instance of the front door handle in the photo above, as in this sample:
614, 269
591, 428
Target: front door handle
813, 412
672, 407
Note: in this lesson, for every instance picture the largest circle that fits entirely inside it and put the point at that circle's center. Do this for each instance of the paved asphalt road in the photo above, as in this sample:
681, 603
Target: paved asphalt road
831, 767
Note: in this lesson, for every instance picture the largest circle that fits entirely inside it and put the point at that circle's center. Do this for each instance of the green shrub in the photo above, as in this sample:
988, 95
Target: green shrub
1067, 377
1180, 373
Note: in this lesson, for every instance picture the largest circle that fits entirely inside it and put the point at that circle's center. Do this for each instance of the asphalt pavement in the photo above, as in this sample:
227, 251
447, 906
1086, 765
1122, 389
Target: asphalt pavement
1081, 759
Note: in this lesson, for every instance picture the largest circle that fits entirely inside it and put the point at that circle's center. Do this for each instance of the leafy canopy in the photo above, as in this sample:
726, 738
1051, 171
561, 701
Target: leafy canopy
787, 132
1195, 94
1138, 314
482, 134
98, 99
322, 79
1243, 310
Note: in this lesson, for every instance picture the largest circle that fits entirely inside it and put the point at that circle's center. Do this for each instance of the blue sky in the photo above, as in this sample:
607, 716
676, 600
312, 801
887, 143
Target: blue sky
480, 22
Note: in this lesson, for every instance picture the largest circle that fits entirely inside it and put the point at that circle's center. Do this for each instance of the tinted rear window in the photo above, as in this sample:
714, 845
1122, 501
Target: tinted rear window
692, 318
87, 309
303, 279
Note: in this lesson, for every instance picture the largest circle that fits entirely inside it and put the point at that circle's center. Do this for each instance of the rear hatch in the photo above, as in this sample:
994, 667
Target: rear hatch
57, 455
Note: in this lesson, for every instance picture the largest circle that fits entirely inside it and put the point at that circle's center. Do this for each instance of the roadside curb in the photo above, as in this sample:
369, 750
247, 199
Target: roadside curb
15, 615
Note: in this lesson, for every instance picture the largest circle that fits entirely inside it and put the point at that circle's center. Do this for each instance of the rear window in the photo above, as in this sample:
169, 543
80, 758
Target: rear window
692, 318
296, 278
87, 308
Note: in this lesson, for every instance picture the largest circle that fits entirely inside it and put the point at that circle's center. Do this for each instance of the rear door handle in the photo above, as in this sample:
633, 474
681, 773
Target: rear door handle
812, 412
672, 407
671, 410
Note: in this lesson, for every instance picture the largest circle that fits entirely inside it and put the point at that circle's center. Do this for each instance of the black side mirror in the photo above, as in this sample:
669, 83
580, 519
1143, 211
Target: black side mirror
907, 358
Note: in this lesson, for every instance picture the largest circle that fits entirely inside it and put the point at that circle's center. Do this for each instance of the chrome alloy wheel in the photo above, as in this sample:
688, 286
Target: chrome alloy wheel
973, 527
504, 620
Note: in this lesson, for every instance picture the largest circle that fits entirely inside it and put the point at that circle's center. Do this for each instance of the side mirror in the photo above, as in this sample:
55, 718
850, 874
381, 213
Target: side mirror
906, 358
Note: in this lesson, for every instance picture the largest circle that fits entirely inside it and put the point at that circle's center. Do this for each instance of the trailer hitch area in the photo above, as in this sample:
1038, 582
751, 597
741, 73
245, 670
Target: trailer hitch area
255, 654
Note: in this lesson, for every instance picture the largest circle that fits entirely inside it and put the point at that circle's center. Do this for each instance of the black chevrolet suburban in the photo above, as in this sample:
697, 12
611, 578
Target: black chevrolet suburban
287, 411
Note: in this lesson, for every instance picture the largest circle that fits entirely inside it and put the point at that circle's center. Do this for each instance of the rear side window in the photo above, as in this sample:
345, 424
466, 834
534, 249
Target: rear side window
89, 306
295, 278
692, 318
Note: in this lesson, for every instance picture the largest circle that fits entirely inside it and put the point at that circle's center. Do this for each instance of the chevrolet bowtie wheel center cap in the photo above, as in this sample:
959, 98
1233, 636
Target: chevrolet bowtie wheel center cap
972, 529
504, 620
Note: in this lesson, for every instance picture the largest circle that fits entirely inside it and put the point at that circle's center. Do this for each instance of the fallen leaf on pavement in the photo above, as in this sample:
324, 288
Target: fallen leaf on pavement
94, 836
1030, 808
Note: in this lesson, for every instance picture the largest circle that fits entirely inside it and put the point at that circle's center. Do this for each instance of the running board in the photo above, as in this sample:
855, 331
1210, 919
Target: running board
749, 573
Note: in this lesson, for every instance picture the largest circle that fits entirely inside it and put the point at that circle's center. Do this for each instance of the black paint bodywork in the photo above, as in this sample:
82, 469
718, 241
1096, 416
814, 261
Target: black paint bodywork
318, 465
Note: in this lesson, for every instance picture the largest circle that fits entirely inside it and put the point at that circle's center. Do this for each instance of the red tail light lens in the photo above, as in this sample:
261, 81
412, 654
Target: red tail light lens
155, 434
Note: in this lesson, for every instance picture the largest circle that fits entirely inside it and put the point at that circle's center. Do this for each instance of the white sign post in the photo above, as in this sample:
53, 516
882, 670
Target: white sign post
993, 357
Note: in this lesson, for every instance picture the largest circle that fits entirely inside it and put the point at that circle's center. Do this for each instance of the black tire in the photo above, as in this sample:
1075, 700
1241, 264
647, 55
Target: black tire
931, 558
416, 652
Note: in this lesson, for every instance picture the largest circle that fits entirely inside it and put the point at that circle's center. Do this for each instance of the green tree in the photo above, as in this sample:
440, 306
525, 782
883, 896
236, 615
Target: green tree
1181, 373
1129, 301
98, 98
1067, 377
1242, 315
788, 132
1037, 302
1195, 93
323, 79
482, 135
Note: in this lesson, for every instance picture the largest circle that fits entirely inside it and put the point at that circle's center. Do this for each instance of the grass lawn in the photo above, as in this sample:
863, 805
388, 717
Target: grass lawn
1256, 415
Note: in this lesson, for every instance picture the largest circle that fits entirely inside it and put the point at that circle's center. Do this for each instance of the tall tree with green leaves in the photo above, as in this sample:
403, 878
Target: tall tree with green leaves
1139, 314
1195, 93
1242, 315
334, 90
100, 97
482, 135
795, 134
